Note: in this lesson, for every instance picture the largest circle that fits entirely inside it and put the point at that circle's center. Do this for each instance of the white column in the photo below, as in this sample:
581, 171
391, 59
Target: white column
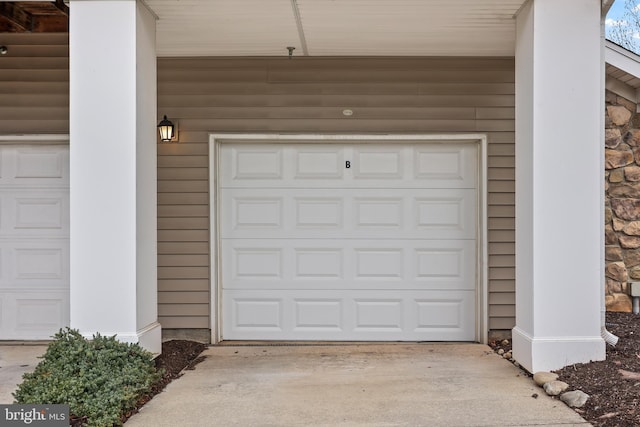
559, 184
113, 171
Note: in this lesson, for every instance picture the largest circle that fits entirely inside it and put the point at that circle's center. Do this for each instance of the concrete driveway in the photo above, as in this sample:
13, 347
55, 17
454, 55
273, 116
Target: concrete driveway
15, 360
354, 385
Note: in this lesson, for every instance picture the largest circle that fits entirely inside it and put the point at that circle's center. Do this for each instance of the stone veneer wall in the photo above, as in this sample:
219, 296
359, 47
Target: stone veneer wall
622, 200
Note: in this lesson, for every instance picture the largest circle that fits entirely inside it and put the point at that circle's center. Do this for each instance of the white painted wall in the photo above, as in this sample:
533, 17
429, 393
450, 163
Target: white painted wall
111, 182
559, 214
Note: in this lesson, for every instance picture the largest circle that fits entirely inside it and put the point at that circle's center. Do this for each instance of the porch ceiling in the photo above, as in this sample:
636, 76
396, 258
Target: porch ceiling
335, 27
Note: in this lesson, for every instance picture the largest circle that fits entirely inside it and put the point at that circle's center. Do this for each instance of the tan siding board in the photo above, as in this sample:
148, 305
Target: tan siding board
183, 285
502, 199
501, 186
505, 236
342, 74
502, 286
182, 199
394, 75
190, 260
183, 223
183, 272
184, 148
183, 174
501, 211
183, 297
253, 95
34, 126
37, 88
183, 322
502, 273
501, 248
340, 62
502, 138
264, 88
466, 88
35, 50
502, 260
193, 137
292, 100
44, 39
496, 149
495, 161
415, 113
183, 235
502, 298
183, 161
34, 84
57, 100
507, 310
187, 186
183, 248
45, 113
12, 62
183, 211
502, 323
174, 309
501, 223
502, 174
328, 125
495, 113
490, 125
315, 63
28, 75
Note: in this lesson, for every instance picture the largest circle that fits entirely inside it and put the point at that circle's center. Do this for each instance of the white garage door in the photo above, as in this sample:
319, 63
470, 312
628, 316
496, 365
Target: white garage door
34, 241
348, 242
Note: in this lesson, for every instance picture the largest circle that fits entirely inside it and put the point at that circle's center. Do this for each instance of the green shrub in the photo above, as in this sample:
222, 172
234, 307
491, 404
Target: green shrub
100, 379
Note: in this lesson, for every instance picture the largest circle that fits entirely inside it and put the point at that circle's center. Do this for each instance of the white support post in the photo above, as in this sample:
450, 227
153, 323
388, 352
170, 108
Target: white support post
559, 164
113, 171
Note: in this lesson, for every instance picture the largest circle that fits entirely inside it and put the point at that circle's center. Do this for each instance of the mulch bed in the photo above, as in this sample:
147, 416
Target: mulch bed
177, 355
613, 384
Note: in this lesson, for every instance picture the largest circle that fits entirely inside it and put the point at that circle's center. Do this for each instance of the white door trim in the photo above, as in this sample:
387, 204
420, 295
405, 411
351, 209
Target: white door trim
35, 139
215, 139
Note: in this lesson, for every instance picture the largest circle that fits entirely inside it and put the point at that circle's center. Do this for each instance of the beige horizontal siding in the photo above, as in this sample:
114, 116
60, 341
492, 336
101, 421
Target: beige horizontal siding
307, 95
34, 83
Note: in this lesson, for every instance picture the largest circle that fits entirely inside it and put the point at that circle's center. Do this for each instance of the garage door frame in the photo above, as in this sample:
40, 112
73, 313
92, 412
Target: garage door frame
216, 139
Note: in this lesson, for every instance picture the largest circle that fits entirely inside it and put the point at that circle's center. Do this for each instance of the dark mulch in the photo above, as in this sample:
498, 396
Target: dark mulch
613, 384
177, 355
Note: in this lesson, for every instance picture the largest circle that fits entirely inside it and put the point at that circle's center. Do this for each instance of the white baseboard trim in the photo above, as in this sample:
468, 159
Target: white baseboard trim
551, 353
149, 337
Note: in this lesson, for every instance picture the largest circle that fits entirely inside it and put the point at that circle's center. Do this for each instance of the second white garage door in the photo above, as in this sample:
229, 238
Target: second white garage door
34, 241
348, 241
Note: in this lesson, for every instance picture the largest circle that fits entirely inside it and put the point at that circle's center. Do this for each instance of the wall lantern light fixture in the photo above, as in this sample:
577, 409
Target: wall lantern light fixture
166, 129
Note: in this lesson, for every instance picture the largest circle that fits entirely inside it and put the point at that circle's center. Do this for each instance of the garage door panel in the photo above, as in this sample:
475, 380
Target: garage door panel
33, 315
348, 264
348, 241
343, 213
34, 212
34, 264
256, 163
347, 315
312, 163
377, 163
34, 241
46, 166
449, 165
